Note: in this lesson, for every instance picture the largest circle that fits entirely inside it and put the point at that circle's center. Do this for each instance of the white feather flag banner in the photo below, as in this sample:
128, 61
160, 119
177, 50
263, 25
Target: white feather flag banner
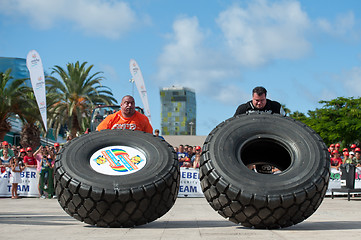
139, 82
35, 66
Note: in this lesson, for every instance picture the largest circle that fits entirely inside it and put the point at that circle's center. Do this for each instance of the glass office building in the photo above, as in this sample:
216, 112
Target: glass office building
18, 67
178, 115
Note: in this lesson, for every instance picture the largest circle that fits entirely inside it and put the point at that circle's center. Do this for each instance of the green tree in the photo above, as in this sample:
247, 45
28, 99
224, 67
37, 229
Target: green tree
287, 110
298, 116
72, 96
12, 100
337, 121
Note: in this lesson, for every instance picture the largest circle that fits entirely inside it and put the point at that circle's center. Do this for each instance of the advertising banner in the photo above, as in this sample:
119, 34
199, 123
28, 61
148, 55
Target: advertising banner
335, 180
139, 82
189, 183
28, 187
35, 66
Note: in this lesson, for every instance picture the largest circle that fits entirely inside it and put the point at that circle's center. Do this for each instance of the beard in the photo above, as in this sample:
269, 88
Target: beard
129, 111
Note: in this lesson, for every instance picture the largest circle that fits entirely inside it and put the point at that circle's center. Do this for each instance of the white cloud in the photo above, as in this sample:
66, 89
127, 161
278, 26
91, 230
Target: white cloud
343, 24
232, 94
254, 35
106, 18
265, 31
187, 62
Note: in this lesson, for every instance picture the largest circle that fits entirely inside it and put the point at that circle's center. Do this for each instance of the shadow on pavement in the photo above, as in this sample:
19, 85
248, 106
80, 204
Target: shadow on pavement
56, 220
48, 220
326, 225
188, 224
159, 224
317, 226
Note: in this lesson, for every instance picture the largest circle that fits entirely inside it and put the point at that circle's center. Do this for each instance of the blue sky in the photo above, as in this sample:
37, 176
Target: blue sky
301, 51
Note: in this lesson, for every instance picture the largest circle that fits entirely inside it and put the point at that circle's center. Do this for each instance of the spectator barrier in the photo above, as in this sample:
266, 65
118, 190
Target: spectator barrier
189, 183
28, 187
335, 180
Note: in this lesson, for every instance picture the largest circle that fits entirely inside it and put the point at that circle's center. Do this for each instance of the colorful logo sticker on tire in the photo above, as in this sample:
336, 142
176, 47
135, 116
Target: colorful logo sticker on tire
117, 160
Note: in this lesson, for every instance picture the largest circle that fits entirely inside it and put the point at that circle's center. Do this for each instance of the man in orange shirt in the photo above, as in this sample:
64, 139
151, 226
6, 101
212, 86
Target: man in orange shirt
126, 118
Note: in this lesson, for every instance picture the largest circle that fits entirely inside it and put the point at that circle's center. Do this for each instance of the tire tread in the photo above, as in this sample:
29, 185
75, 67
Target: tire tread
114, 207
250, 210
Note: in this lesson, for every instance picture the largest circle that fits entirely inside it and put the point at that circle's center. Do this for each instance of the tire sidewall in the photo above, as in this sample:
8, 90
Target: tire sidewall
303, 144
75, 159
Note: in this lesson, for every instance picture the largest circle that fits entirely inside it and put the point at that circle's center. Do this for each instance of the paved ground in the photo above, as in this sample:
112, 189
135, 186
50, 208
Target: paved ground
32, 218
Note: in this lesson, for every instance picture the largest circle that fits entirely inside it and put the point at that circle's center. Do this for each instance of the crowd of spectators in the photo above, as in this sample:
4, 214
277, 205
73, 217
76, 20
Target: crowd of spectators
188, 156
14, 159
350, 155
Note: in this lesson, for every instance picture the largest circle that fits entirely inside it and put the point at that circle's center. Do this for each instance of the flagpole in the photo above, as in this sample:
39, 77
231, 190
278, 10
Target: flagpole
132, 81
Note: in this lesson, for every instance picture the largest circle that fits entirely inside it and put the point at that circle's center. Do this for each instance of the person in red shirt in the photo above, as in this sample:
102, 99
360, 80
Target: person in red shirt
29, 159
336, 161
126, 118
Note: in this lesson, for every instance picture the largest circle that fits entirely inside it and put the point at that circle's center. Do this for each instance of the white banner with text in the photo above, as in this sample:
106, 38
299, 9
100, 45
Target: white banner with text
27, 188
189, 183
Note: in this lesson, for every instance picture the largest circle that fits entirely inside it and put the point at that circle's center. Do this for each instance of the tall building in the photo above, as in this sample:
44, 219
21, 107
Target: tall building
17, 65
178, 116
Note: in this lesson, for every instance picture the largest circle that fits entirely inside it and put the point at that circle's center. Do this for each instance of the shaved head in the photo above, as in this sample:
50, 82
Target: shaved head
127, 106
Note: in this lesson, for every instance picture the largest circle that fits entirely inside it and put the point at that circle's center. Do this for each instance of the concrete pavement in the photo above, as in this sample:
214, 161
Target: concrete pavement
190, 218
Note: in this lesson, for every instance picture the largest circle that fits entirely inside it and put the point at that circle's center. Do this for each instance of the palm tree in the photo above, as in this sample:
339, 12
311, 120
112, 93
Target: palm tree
287, 110
73, 95
31, 118
12, 100
298, 115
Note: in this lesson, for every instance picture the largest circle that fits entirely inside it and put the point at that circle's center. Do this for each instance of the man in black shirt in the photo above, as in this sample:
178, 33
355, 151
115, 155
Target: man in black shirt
260, 103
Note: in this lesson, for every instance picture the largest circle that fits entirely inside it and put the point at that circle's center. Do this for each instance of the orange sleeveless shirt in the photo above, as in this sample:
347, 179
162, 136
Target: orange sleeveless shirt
116, 121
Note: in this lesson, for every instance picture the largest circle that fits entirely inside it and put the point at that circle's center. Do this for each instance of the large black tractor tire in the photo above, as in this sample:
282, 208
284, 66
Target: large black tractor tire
256, 199
122, 197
